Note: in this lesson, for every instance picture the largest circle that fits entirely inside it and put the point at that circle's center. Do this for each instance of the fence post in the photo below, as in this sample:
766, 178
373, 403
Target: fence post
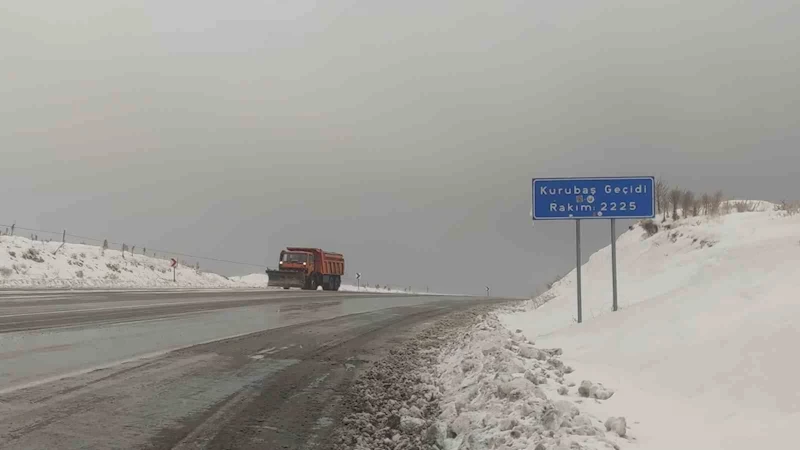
64, 237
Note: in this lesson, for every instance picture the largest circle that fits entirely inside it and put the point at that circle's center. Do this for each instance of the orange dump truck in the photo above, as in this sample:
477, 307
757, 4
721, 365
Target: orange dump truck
308, 268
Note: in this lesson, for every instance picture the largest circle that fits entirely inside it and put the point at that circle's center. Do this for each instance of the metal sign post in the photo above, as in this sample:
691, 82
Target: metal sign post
487, 291
358, 281
614, 261
578, 266
593, 198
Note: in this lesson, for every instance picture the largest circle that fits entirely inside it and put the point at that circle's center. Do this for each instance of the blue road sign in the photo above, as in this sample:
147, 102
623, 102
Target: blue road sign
594, 198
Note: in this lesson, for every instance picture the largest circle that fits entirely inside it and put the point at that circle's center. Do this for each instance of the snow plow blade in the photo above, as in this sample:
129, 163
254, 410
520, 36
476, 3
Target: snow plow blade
283, 279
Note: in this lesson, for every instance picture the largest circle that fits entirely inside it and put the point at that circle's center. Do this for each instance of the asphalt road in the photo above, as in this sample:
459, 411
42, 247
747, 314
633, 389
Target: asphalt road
193, 369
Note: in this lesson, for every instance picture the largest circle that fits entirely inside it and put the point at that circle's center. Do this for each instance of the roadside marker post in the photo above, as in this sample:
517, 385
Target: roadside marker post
174, 264
358, 281
593, 198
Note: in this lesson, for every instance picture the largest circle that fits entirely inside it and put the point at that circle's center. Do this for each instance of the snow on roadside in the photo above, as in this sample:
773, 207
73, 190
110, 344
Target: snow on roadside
701, 353
467, 383
372, 290
258, 280
25, 264
501, 391
394, 404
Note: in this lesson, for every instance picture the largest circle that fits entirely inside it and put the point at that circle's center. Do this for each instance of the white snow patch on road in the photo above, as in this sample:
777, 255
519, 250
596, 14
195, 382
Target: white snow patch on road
702, 353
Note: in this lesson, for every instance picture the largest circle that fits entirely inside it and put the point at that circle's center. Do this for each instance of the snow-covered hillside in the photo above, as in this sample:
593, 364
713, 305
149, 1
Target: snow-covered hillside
703, 351
26, 263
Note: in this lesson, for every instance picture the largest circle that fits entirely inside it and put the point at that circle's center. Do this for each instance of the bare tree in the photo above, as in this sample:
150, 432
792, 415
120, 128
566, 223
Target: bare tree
662, 196
675, 196
706, 201
716, 202
697, 206
687, 202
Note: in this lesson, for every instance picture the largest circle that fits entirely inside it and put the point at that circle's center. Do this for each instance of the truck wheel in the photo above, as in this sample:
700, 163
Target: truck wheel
313, 284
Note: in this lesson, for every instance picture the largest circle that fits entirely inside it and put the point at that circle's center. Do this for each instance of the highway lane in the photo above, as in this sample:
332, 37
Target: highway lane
34, 311
181, 369
46, 334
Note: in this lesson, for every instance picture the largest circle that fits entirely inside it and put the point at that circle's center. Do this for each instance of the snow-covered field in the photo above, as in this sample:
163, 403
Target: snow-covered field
701, 355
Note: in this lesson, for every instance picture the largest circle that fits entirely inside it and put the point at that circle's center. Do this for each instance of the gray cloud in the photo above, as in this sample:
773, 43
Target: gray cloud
403, 134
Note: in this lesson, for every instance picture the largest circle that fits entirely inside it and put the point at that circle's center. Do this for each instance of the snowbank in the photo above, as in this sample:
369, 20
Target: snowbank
702, 353
252, 280
501, 391
26, 263
351, 288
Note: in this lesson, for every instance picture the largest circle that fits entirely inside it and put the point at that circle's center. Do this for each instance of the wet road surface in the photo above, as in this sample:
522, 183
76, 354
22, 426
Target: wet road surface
191, 370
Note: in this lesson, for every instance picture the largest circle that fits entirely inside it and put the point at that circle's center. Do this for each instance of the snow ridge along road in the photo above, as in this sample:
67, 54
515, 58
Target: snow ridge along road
702, 351
276, 384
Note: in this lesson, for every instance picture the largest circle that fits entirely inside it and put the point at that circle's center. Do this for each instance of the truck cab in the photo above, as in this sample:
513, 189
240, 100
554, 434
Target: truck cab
302, 261
308, 268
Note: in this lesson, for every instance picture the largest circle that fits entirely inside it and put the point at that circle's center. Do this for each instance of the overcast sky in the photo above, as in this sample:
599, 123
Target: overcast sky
403, 134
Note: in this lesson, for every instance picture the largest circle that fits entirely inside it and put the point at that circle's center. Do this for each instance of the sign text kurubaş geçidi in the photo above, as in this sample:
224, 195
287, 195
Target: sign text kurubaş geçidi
568, 198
